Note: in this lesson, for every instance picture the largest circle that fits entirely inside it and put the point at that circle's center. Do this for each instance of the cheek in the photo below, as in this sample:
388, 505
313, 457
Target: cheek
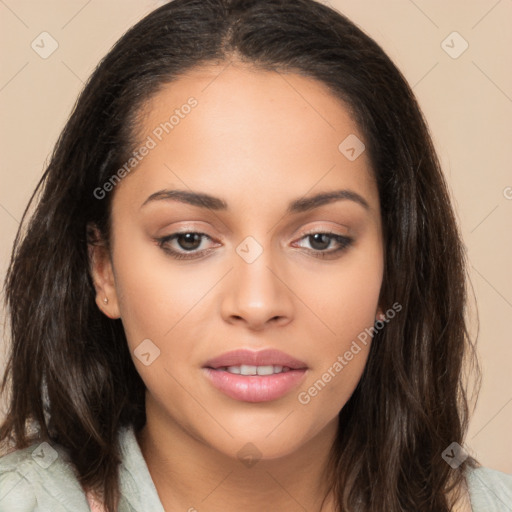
345, 297
154, 293
346, 302
158, 302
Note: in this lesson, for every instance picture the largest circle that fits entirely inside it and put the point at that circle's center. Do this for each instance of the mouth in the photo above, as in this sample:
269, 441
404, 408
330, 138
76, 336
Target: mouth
246, 369
250, 376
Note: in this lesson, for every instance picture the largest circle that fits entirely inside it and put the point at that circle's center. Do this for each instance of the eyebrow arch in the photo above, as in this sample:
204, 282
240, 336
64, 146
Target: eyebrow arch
304, 204
309, 203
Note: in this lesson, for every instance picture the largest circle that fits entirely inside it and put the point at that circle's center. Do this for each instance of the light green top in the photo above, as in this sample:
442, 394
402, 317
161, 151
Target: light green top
40, 478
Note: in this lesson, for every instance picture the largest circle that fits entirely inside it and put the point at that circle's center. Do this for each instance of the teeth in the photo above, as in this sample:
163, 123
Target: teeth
265, 370
246, 369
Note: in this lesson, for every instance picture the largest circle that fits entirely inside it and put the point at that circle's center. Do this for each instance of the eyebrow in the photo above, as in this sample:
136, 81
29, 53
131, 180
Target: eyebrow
303, 204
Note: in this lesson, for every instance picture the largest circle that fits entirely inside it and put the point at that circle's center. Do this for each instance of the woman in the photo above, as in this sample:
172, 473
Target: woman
243, 282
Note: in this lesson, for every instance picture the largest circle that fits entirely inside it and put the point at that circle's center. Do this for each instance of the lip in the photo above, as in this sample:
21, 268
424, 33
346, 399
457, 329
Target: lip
260, 358
255, 388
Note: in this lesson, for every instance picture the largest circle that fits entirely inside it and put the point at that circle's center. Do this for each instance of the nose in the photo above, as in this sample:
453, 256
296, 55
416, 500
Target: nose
258, 293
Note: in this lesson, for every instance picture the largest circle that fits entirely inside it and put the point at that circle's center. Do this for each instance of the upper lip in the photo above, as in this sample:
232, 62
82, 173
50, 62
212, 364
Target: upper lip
265, 357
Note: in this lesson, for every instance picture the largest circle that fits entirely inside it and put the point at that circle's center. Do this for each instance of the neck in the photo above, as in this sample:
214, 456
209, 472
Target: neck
191, 475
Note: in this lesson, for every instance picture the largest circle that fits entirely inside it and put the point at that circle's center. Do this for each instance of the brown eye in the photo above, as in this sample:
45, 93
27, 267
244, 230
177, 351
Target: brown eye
320, 241
186, 244
189, 241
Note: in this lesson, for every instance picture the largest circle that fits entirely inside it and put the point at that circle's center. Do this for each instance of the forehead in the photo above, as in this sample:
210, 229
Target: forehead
248, 129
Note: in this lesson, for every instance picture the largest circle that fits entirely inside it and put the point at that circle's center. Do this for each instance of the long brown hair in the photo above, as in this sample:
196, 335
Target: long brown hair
70, 372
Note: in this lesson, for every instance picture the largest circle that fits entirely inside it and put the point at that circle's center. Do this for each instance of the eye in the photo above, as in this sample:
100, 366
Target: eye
187, 242
320, 241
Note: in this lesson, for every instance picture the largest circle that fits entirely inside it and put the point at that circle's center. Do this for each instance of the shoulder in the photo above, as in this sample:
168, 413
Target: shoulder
40, 477
490, 490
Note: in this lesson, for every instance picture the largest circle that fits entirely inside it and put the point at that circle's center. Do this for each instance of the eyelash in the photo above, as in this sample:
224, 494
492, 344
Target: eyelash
343, 241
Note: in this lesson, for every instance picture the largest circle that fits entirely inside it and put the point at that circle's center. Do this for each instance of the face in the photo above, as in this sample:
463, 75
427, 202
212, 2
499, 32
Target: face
258, 265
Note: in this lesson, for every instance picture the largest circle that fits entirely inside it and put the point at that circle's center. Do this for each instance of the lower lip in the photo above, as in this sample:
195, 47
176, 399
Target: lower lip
254, 388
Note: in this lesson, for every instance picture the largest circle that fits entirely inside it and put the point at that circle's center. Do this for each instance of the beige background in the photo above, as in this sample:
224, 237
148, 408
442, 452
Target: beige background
467, 102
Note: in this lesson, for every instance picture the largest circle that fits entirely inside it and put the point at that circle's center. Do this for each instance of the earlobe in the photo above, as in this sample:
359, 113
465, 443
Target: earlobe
102, 274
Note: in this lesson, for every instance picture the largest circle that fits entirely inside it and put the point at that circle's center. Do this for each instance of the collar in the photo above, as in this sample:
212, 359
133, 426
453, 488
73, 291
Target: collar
137, 486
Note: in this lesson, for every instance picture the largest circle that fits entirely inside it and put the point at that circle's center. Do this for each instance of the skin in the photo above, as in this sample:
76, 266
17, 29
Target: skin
258, 140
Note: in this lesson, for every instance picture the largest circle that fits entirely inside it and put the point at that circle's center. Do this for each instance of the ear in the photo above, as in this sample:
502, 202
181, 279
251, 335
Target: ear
100, 265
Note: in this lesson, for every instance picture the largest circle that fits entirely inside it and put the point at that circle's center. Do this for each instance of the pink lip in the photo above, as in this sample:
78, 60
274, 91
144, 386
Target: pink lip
255, 388
259, 358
